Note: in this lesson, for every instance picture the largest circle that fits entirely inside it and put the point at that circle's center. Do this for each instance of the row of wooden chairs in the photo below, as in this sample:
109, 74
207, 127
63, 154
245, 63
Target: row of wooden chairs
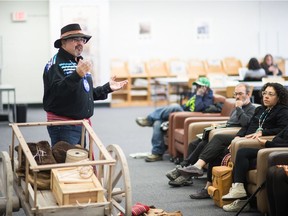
175, 67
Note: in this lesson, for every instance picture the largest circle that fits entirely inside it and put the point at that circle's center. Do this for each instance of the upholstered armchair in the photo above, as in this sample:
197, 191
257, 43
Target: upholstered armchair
183, 115
278, 158
257, 176
179, 124
245, 143
192, 127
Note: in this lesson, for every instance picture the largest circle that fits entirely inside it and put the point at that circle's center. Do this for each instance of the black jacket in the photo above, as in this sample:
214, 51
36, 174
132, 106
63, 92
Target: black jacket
276, 121
280, 140
65, 92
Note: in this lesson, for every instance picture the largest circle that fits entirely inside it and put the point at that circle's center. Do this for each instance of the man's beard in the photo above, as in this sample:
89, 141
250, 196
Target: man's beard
78, 50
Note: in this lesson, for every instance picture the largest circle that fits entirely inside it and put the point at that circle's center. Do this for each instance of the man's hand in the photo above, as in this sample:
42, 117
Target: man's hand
201, 90
274, 70
239, 103
114, 85
83, 67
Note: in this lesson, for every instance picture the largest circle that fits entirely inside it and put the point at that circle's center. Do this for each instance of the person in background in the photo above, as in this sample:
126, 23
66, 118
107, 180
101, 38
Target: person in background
277, 190
239, 117
246, 159
268, 119
270, 67
201, 99
68, 87
254, 72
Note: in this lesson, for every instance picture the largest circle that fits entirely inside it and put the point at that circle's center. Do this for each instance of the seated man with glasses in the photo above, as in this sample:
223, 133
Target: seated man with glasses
239, 117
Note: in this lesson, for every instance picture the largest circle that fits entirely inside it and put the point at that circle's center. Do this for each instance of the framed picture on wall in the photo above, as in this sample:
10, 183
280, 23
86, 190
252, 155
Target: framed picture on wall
203, 30
144, 30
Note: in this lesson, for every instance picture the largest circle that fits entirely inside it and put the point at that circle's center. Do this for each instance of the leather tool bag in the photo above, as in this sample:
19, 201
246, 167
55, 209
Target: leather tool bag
221, 183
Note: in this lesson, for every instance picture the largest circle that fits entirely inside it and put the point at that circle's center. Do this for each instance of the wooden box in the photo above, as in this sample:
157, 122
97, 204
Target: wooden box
70, 188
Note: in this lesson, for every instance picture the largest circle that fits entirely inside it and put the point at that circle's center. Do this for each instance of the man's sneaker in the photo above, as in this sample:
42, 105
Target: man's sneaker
173, 174
236, 206
202, 194
181, 181
184, 163
143, 122
237, 191
191, 171
164, 126
153, 158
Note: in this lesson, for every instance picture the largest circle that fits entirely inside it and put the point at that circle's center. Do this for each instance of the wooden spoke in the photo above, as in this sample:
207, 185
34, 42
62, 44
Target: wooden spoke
6, 182
121, 197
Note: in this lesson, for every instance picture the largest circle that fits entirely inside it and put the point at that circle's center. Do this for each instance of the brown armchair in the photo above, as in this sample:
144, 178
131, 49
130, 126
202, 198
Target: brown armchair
278, 158
192, 127
168, 137
197, 128
179, 124
257, 176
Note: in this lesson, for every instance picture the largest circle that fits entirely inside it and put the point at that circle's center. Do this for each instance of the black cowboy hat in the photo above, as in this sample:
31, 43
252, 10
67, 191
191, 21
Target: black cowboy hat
71, 31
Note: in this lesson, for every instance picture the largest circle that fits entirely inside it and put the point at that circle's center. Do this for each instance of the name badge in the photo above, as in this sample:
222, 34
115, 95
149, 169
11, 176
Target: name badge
86, 85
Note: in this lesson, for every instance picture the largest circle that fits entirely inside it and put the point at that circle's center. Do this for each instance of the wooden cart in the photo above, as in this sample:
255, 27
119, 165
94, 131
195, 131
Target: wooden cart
111, 170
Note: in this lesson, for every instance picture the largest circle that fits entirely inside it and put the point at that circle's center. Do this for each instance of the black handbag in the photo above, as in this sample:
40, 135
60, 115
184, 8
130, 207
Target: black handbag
206, 132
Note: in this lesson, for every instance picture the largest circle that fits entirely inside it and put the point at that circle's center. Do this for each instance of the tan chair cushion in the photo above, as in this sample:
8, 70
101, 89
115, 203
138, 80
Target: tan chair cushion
252, 177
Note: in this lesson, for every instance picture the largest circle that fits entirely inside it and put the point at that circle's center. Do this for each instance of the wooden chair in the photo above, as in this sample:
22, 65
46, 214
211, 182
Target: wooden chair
281, 64
157, 68
119, 68
136, 67
231, 66
177, 67
196, 68
214, 66
230, 91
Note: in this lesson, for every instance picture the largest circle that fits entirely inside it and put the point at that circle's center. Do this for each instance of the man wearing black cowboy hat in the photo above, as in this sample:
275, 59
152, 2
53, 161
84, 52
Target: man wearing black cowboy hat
68, 88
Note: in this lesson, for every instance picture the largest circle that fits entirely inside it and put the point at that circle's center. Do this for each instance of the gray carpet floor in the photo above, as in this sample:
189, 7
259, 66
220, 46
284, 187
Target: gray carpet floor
149, 183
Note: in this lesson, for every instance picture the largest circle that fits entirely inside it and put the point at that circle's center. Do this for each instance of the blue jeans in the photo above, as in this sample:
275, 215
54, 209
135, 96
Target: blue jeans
68, 133
162, 113
157, 117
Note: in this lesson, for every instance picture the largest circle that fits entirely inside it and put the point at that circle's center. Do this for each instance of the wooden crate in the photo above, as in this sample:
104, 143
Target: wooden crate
69, 188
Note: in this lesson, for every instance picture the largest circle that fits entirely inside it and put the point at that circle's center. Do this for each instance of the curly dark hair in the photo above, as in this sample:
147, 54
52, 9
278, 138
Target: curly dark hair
253, 64
281, 91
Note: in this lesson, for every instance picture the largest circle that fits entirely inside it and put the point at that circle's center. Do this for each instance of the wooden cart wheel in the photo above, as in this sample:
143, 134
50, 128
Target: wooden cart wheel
121, 186
6, 184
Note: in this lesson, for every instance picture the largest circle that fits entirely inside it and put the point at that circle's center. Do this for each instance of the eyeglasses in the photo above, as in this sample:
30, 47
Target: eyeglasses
79, 39
238, 93
270, 94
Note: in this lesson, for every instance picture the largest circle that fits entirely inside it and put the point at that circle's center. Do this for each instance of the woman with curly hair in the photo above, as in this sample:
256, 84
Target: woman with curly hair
270, 119
254, 72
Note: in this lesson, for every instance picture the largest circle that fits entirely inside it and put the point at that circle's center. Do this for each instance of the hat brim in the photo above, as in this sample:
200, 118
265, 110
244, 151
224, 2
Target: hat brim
200, 83
57, 43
